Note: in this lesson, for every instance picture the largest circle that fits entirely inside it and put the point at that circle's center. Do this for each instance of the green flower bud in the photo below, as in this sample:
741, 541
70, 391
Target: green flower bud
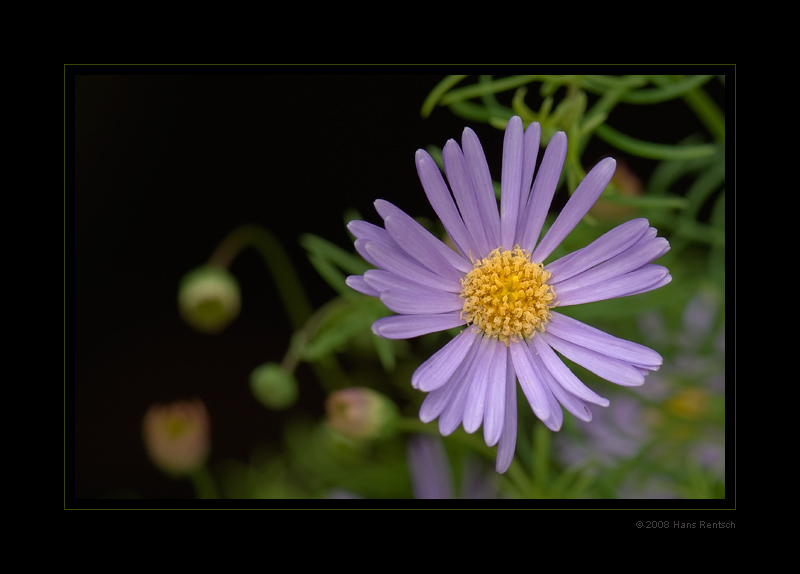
274, 386
208, 298
176, 436
361, 414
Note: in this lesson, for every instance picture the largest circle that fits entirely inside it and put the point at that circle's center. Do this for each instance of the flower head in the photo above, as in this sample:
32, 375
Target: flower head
498, 286
176, 436
361, 414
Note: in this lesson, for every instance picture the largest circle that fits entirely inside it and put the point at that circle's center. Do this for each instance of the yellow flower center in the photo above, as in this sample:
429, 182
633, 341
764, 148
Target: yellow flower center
507, 296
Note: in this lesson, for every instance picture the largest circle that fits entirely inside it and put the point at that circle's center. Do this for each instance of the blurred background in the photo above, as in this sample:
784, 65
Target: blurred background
162, 163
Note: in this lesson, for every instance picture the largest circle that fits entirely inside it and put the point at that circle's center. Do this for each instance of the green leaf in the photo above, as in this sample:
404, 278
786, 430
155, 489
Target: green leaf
484, 88
648, 201
333, 253
437, 93
343, 319
653, 150
670, 89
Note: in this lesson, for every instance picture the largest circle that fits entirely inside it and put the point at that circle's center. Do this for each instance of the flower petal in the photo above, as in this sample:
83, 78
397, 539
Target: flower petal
453, 414
482, 184
357, 283
410, 326
417, 247
574, 331
510, 179
601, 249
381, 281
529, 154
365, 230
643, 279
636, 257
578, 205
391, 260
570, 402
439, 399
476, 397
410, 303
563, 375
494, 411
386, 209
429, 469
508, 440
439, 197
613, 370
544, 188
455, 166
435, 371
528, 379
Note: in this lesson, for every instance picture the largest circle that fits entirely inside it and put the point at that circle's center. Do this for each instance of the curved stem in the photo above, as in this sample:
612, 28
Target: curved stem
286, 280
290, 290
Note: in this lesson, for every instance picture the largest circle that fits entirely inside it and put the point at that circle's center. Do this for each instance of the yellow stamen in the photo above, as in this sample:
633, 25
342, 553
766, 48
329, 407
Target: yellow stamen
507, 296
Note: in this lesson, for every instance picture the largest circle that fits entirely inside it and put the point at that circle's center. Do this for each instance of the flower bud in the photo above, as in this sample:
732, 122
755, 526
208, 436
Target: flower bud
274, 386
176, 436
208, 298
361, 414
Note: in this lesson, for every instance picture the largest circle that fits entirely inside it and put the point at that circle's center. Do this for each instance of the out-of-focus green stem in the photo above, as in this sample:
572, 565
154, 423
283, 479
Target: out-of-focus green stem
204, 486
437, 93
290, 289
707, 111
286, 280
541, 455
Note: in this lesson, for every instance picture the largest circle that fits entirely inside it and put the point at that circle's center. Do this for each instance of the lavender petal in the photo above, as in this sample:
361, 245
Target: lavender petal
357, 283
439, 197
386, 209
418, 248
476, 397
645, 278
391, 260
495, 396
436, 370
410, 303
510, 180
578, 205
562, 374
578, 333
573, 404
637, 256
508, 440
382, 280
482, 184
410, 326
544, 187
613, 370
528, 379
601, 249
453, 414
530, 152
455, 166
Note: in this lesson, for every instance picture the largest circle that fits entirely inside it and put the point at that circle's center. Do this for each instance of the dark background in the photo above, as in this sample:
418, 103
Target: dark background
165, 162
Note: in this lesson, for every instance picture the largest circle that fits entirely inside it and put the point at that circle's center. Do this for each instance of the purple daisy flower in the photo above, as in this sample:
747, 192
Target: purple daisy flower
497, 286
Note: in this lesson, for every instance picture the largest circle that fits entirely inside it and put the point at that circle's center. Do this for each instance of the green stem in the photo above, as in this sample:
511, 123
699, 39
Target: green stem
290, 290
707, 111
204, 486
541, 456
652, 150
280, 266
